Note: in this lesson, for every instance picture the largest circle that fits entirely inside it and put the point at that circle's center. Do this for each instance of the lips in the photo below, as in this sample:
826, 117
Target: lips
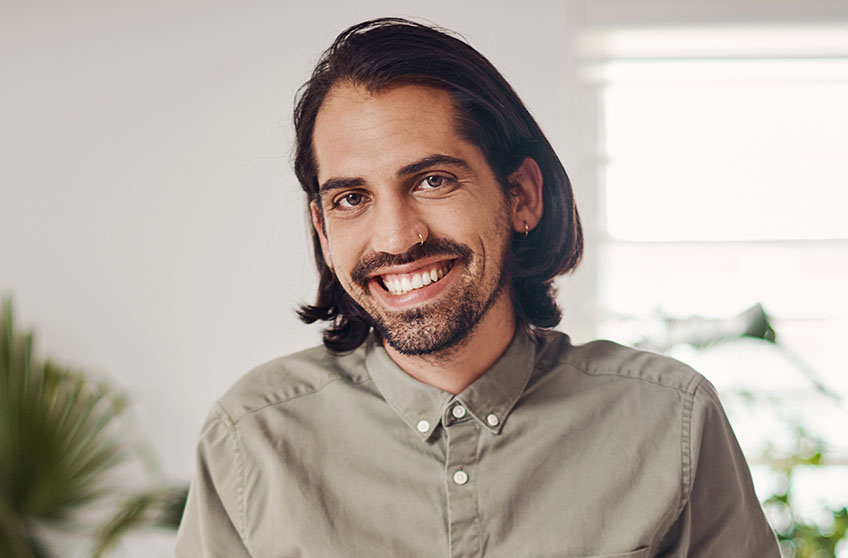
402, 283
412, 277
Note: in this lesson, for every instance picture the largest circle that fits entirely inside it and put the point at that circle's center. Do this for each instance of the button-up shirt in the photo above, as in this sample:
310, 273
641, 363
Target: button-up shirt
556, 451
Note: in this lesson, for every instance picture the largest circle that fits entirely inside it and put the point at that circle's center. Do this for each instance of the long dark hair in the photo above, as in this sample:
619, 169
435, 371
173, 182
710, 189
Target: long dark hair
381, 52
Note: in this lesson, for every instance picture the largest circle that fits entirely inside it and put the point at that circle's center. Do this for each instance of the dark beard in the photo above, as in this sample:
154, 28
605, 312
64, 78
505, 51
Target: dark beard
436, 331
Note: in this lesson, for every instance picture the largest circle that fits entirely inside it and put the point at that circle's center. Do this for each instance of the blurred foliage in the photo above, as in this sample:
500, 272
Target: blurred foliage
59, 446
801, 537
55, 446
703, 332
155, 508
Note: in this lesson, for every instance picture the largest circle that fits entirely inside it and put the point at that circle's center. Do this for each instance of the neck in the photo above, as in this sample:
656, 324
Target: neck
456, 368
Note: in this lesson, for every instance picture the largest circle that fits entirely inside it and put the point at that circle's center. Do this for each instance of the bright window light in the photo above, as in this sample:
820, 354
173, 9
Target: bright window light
733, 150
725, 184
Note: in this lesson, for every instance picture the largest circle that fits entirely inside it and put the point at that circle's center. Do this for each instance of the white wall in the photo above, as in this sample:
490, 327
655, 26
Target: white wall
151, 229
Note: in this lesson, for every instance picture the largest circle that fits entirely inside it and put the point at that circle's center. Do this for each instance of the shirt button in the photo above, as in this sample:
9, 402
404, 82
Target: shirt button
458, 411
460, 477
423, 425
492, 420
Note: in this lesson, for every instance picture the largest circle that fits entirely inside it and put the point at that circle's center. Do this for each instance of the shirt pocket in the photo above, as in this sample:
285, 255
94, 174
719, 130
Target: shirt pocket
638, 553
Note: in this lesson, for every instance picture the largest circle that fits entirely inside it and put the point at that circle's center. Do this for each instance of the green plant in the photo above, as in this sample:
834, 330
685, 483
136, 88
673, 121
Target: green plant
158, 508
801, 537
55, 443
60, 447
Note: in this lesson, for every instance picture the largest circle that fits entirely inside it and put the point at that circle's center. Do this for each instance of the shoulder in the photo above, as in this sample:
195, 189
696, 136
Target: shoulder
290, 377
609, 361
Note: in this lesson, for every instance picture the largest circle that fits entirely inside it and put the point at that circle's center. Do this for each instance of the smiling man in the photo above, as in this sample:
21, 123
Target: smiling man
417, 228
443, 416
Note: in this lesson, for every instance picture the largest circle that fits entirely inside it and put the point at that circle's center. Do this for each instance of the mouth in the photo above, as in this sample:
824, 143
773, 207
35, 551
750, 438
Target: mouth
402, 283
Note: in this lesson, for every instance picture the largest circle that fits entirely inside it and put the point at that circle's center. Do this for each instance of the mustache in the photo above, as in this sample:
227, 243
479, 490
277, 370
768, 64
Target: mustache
432, 247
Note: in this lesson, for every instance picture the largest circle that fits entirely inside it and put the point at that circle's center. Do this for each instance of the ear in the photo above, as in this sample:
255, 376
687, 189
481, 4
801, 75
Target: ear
318, 224
526, 190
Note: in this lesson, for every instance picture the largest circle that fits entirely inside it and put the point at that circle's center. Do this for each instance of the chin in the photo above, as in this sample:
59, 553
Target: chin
427, 341
436, 331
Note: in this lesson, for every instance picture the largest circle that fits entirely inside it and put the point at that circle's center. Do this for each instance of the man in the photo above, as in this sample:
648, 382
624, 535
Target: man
443, 417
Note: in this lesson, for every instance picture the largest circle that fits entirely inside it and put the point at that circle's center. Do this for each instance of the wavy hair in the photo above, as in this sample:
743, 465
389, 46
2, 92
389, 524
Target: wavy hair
382, 52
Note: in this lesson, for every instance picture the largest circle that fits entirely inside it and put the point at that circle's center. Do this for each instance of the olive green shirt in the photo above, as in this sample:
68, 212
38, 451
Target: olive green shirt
556, 451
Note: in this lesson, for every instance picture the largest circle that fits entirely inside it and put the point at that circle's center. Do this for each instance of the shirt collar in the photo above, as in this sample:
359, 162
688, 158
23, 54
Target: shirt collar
488, 400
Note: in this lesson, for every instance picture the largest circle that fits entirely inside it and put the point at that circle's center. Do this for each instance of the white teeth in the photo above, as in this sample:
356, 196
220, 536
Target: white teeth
402, 285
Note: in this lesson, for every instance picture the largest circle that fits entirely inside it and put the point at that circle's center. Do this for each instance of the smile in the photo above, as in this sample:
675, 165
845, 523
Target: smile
402, 283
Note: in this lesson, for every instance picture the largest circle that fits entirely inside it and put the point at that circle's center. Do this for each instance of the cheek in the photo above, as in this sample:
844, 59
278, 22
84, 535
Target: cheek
342, 246
479, 218
474, 223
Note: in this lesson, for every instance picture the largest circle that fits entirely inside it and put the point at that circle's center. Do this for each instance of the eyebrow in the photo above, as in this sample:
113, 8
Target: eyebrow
339, 184
412, 168
431, 161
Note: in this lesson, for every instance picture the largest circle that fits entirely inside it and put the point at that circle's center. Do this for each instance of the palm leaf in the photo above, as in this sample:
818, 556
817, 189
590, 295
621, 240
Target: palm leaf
57, 440
162, 508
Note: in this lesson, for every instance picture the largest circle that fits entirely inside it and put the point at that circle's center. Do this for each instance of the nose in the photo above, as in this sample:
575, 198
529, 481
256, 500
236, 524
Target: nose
396, 226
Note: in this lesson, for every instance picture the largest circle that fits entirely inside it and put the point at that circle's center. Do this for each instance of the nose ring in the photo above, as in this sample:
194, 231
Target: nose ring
421, 238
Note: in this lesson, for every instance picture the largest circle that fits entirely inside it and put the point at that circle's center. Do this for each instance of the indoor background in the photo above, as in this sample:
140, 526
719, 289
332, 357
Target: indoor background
152, 232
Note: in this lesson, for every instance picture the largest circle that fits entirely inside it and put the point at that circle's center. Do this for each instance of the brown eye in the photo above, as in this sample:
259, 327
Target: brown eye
351, 199
434, 181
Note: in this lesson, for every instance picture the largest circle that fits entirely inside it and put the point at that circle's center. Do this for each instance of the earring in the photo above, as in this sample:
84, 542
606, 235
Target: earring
526, 229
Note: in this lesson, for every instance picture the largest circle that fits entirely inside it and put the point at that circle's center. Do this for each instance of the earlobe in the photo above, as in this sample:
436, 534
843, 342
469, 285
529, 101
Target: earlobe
526, 189
318, 225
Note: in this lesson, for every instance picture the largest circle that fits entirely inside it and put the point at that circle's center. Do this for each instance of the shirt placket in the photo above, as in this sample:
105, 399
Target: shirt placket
461, 482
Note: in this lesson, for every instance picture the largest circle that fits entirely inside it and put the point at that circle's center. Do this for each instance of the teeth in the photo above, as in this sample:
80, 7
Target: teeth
404, 284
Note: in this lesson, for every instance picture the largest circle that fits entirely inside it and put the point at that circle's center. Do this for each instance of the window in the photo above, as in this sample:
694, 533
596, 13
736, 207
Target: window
722, 175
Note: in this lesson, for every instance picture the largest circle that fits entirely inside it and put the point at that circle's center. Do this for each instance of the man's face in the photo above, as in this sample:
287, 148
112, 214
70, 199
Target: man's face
392, 170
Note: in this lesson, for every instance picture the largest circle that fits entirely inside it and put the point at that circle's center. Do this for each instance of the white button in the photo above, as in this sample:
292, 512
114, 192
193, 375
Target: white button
423, 425
458, 411
460, 477
492, 420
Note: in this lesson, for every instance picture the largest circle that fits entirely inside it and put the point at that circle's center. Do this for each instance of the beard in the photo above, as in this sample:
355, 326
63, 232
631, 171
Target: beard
439, 327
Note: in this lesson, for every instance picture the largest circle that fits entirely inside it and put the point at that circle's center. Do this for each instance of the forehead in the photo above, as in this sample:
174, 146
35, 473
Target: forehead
358, 132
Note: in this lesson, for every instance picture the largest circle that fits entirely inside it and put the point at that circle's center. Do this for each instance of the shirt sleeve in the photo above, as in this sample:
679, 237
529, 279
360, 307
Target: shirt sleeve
213, 522
720, 515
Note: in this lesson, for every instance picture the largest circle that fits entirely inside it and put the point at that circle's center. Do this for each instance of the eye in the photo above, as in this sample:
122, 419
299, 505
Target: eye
433, 181
349, 200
